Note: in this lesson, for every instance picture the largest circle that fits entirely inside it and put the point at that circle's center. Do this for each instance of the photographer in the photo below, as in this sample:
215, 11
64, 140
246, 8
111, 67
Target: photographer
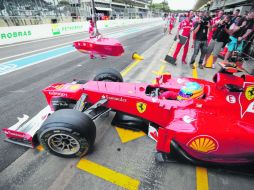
219, 39
200, 30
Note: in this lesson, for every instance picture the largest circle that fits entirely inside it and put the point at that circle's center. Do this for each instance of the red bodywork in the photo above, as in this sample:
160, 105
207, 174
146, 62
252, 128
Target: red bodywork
217, 128
101, 46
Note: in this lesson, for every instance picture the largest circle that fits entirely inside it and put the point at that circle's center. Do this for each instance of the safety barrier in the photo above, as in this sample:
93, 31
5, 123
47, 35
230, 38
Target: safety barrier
14, 34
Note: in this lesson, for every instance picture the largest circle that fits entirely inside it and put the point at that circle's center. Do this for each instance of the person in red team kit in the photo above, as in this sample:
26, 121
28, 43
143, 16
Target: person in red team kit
171, 23
214, 23
184, 29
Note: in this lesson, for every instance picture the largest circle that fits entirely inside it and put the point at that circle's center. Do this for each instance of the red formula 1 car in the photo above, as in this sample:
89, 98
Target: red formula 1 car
217, 127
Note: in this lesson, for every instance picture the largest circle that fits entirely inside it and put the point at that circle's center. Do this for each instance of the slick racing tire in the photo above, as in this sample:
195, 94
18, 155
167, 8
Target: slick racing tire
67, 133
108, 74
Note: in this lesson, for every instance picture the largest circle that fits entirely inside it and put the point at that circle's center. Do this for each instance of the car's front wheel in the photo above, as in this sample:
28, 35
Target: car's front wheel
67, 133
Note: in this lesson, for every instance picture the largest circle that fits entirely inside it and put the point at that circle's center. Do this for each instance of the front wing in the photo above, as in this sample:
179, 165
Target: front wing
23, 132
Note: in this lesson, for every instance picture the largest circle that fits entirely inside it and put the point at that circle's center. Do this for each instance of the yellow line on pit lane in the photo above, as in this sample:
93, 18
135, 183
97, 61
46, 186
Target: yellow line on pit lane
108, 174
129, 68
195, 72
202, 178
158, 73
201, 173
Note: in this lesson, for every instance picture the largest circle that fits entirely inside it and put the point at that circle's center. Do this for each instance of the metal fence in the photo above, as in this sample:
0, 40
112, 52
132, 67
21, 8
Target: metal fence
27, 12
33, 20
32, 12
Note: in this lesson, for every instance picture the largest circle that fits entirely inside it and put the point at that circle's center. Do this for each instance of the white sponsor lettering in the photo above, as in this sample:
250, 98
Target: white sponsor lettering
231, 99
53, 93
119, 99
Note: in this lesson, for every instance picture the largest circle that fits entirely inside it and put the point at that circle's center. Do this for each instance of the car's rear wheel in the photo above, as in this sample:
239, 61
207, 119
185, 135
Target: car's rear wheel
67, 133
108, 74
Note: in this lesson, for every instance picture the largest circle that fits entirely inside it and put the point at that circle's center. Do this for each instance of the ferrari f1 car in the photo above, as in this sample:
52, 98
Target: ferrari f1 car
202, 121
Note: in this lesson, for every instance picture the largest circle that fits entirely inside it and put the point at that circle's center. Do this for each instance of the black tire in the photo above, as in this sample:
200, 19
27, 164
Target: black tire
108, 74
72, 127
81, 81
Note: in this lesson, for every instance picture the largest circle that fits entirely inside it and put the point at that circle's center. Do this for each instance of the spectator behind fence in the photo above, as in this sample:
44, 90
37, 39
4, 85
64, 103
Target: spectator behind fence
200, 30
219, 39
239, 35
235, 15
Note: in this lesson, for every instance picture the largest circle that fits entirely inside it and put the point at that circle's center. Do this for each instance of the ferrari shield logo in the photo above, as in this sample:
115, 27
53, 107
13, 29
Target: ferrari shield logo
249, 93
141, 107
247, 99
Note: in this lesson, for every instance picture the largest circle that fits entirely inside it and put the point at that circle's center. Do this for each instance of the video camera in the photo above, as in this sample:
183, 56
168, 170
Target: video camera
205, 20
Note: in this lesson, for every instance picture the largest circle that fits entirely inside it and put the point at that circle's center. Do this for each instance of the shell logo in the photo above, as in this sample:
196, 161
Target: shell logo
203, 143
74, 87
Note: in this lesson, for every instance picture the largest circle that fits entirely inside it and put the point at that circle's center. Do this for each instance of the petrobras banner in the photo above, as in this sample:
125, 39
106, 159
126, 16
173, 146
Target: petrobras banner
14, 34
69, 28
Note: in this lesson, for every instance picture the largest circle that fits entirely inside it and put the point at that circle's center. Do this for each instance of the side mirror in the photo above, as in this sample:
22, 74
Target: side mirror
234, 88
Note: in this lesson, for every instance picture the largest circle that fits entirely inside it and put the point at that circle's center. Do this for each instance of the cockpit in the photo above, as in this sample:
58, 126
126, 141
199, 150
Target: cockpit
190, 90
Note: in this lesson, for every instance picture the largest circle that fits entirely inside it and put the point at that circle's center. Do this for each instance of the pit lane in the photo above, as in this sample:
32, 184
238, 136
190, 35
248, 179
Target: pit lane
33, 169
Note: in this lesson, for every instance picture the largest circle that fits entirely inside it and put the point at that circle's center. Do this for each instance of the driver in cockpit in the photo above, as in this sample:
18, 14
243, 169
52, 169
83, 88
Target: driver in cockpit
191, 90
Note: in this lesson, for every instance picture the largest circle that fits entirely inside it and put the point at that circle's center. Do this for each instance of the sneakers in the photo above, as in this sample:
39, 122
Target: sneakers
192, 66
201, 66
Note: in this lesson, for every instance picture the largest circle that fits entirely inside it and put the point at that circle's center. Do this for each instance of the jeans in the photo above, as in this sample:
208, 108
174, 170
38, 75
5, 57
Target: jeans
202, 45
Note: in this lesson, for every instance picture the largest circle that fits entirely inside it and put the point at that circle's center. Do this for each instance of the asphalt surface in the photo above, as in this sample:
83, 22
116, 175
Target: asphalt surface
20, 93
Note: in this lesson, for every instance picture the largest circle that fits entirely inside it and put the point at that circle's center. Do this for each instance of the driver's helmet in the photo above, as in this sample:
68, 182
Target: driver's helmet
191, 90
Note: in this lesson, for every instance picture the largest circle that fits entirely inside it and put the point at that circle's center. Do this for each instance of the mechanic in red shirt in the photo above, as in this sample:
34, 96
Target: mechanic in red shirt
184, 29
171, 24
214, 23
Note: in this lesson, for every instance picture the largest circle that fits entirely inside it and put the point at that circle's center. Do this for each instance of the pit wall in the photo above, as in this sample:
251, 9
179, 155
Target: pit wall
14, 34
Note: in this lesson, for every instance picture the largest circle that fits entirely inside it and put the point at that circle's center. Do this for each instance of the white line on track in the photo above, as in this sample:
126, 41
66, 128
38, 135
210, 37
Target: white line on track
29, 52
38, 40
34, 63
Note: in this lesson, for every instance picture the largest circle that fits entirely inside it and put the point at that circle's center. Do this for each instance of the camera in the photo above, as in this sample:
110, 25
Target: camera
205, 20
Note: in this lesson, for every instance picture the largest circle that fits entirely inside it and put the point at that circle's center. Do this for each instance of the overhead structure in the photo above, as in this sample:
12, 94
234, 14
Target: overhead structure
97, 44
